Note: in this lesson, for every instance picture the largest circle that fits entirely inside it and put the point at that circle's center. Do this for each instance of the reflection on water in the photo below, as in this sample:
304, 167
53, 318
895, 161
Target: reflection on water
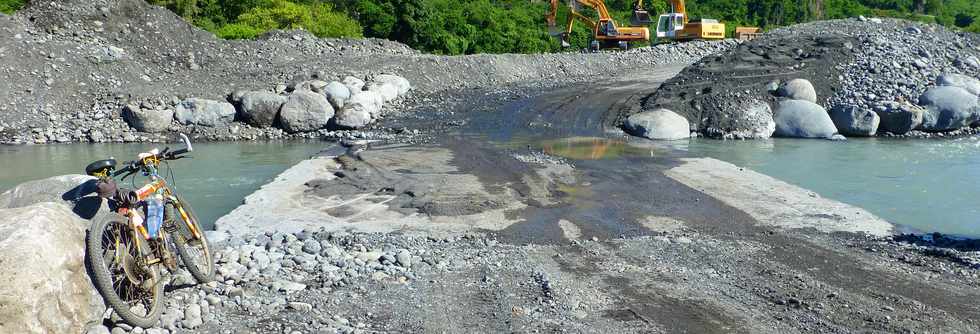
595, 148
215, 181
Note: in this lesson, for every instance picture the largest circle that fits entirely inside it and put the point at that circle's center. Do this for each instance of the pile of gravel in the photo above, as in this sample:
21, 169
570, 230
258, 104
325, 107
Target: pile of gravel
879, 65
269, 273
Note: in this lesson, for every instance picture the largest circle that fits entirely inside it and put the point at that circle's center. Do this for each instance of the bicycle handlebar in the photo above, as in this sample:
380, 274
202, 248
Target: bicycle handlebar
135, 165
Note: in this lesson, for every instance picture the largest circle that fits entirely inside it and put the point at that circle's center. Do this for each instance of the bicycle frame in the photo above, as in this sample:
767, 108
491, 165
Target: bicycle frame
157, 186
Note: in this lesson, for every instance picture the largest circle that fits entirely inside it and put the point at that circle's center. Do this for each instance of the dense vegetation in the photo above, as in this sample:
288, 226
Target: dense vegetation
10, 6
496, 26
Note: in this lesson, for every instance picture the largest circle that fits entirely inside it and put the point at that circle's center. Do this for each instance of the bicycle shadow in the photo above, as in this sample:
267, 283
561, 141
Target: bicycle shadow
85, 200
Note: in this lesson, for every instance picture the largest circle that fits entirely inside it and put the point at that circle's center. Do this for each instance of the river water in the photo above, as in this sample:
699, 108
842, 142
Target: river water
923, 185
215, 180
926, 185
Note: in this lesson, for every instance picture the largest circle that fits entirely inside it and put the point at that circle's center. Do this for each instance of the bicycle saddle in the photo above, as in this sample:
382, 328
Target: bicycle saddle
100, 167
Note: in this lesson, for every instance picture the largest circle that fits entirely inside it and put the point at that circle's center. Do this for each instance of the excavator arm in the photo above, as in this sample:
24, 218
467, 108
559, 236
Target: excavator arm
573, 15
604, 28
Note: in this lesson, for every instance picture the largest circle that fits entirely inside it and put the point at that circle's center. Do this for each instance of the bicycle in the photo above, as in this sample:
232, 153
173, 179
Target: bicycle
147, 227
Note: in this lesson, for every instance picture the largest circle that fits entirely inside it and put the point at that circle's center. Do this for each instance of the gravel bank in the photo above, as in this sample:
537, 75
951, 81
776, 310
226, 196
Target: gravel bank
69, 68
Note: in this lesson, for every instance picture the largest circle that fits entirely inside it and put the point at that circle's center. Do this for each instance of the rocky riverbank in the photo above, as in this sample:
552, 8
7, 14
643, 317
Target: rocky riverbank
87, 71
871, 76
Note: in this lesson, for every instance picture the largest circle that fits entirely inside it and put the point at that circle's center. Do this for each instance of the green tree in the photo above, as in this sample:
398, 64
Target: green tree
10, 6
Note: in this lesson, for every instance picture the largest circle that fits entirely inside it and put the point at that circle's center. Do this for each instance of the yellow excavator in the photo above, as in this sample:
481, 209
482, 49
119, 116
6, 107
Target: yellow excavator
605, 32
677, 26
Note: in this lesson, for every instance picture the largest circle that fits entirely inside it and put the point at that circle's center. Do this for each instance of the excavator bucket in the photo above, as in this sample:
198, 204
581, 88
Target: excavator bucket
641, 18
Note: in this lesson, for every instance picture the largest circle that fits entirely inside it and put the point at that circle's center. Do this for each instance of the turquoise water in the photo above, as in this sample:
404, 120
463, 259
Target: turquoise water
926, 185
215, 180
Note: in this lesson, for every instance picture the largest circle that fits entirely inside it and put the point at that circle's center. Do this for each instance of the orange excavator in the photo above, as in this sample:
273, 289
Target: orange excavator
605, 32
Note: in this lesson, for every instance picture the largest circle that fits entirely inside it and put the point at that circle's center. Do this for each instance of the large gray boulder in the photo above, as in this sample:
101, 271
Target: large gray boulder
803, 119
970, 84
42, 272
305, 111
660, 124
387, 91
204, 112
337, 93
798, 89
400, 83
147, 120
360, 110
948, 108
852, 120
260, 109
898, 118
355, 85
46, 288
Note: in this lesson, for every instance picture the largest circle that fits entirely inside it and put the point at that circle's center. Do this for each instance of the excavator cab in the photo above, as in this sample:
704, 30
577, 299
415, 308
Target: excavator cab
669, 24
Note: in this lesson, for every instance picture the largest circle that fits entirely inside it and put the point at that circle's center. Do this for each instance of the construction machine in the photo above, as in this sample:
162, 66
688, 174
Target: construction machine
676, 25
605, 32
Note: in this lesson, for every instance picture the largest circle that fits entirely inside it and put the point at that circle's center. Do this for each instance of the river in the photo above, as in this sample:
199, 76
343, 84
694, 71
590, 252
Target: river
922, 185
215, 180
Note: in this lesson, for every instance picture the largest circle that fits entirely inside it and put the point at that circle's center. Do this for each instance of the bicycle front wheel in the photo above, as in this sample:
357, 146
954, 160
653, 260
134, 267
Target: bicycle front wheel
121, 274
192, 247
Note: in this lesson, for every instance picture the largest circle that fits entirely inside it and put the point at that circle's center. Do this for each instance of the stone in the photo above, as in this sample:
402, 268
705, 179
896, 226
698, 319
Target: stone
852, 120
368, 257
170, 318
337, 94
360, 110
311, 246
114, 53
803, 119
301, 307
970, 84
260, 109
388, 91
261, 260
948, 108
354, 85
147, 120
898, 117
401, 84
305, 111
46, 288
798, 89
967, 62
404, 258
204, 112
287, 286
659, 124
192, 316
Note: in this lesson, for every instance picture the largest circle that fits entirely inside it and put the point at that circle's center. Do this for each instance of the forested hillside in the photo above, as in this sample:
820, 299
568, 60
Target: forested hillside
498, 26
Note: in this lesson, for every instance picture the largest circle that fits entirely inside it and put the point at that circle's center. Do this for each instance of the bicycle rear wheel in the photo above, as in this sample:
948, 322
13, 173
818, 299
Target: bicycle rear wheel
121, 274
193, 249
